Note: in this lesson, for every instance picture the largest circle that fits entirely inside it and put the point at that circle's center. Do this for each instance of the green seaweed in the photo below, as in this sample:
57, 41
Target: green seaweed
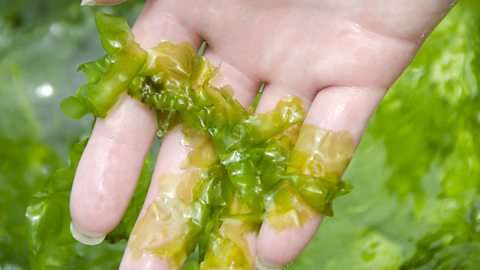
253, 150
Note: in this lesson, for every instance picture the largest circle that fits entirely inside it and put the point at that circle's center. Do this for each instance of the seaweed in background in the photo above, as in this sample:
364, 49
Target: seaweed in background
416, 197
41, 42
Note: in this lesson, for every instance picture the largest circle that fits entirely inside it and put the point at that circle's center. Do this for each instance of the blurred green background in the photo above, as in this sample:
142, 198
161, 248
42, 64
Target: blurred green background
416, 175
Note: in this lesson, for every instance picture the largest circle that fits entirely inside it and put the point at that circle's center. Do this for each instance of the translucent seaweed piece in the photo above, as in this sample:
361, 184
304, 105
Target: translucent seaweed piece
313, 177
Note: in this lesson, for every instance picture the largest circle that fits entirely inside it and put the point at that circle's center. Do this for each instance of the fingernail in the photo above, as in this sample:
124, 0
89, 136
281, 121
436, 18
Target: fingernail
261, 265
88, 3
85, 238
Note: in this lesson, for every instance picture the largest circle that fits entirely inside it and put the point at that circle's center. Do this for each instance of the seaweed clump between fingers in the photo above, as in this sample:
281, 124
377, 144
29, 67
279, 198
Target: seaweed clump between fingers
243, 167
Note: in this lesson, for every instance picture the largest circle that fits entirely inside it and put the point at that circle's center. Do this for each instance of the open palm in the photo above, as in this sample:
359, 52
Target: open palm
339, 57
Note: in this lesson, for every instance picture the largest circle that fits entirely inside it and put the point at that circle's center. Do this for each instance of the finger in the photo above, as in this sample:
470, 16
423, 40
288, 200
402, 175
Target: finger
172, 153
335, 109
245, 88
170, 173
111, 163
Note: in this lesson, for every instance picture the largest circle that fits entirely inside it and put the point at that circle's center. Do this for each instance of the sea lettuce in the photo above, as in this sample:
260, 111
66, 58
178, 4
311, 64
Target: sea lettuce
110, 75
257, 157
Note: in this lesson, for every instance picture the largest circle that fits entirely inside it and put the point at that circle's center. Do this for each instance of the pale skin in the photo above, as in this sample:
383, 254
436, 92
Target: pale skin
339, 56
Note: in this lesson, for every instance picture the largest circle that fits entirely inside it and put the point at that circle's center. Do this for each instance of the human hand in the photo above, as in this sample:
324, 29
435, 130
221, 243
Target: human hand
339, 57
